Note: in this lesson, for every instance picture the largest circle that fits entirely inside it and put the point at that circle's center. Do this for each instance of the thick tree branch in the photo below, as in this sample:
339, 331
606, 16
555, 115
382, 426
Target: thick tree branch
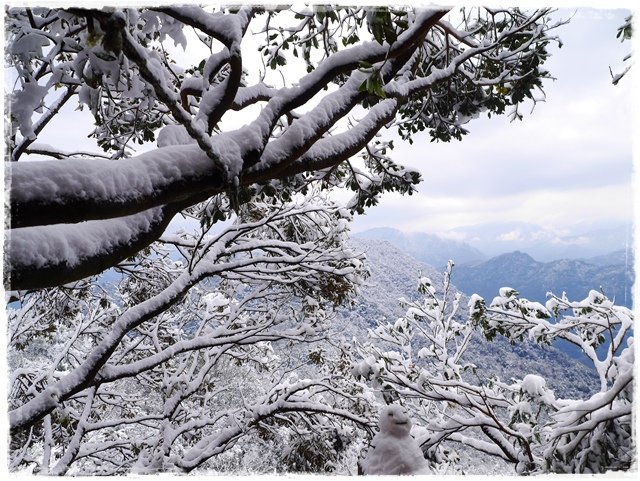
44, 193
342, 62
228, 29
55, 255
149, 70
332, 150
49, 151
87, 372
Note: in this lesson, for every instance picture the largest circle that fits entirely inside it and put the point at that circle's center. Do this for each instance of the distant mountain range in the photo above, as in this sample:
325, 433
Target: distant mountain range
428, 248
610, 272
621, 257
395, 274
545, 244
480, 242
533, 279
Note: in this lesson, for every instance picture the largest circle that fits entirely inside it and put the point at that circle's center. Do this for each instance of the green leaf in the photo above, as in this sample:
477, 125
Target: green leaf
378, 33
390, 34
377, 90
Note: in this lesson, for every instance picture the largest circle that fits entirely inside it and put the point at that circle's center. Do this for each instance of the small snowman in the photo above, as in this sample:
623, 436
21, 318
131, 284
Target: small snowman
393, 450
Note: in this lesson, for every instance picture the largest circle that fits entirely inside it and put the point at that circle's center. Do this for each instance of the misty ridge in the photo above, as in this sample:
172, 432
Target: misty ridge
594, 259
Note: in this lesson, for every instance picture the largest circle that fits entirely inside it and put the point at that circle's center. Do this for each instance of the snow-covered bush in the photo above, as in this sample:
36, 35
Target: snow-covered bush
189, 352
421, 360
593, 435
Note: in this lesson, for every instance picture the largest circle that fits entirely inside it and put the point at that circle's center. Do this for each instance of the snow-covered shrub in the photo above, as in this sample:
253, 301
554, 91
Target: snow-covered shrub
420, 359
171, 366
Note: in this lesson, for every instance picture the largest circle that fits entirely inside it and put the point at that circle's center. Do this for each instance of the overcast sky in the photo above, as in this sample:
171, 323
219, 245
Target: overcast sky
568, 162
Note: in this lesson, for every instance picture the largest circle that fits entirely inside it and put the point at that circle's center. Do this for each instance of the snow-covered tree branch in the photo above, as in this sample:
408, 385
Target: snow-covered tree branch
135, 348
413, 70
142, 377
421, 358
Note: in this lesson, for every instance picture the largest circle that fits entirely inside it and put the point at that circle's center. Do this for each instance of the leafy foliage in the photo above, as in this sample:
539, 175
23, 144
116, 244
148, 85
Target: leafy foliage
625, 32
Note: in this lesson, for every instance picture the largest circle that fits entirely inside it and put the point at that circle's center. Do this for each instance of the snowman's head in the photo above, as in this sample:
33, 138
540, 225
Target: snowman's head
395, 421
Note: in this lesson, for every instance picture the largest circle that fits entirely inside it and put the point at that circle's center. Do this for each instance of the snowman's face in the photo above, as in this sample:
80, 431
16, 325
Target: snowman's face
395, 421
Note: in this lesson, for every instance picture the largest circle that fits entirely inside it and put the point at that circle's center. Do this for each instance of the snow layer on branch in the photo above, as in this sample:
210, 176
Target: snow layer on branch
46, 149
318, 119
226, 28
536, 387
105, 180
339, 144
24, 103
31, 43
214, 301
247, 95
174, 135
36, 247
196, 82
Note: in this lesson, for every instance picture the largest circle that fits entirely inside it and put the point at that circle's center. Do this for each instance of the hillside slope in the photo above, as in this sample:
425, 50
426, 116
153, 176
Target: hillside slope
395, 274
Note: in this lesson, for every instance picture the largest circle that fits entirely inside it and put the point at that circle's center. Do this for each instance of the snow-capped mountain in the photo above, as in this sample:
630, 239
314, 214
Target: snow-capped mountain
395, 274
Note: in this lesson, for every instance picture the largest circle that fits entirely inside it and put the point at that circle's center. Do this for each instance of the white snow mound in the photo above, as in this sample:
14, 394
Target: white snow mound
394, 451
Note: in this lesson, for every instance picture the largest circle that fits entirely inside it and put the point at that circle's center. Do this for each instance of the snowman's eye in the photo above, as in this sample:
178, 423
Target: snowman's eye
390, 414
